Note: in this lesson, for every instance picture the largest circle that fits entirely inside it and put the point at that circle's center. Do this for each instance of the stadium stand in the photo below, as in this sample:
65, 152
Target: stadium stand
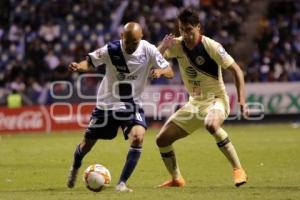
40, 38
278, 40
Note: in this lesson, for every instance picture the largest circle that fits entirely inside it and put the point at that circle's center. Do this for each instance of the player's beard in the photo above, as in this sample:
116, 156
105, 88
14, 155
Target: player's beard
189, 40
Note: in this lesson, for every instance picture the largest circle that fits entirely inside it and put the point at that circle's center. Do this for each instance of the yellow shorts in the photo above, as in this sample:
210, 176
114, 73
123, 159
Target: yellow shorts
191, 116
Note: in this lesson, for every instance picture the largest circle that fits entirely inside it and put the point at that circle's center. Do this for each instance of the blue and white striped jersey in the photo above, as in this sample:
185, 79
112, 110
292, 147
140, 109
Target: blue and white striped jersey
126, 74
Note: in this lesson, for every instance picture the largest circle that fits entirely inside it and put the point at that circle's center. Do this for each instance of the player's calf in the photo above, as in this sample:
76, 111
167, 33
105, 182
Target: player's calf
72, 177
81, 150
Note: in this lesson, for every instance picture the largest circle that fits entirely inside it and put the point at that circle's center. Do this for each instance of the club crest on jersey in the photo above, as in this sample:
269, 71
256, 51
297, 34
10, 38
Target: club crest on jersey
221, 51
141, 58
190, 72
99, 53
199, 60
121, 76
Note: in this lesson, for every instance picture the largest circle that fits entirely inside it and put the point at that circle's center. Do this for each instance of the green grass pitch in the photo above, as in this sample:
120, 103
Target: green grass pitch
35, 167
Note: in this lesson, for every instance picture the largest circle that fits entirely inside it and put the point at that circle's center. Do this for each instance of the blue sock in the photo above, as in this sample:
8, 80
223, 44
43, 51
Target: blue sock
133, 157
78, 156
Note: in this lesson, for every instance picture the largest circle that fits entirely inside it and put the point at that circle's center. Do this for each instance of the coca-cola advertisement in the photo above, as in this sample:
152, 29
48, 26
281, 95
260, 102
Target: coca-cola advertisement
59, 116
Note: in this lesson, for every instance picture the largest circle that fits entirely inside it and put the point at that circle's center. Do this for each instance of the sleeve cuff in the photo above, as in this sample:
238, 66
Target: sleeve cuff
90, 60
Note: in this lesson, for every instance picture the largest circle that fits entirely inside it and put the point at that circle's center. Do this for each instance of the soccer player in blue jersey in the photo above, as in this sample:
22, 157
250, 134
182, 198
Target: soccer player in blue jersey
201, 61
128, 64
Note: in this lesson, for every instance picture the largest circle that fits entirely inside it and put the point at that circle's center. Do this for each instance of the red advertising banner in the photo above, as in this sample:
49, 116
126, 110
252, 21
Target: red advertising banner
58, 116
158, 102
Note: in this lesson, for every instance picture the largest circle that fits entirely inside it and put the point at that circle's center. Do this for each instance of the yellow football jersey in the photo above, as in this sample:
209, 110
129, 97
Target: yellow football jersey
201, 67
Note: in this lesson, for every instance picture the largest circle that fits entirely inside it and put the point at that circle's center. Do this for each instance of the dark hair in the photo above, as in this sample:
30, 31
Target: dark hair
188, 16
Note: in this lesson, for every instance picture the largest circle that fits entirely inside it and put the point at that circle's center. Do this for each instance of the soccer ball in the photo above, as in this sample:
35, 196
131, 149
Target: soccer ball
96, 177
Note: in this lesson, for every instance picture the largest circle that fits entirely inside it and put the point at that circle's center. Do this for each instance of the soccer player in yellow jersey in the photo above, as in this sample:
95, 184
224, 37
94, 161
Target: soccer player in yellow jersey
200, 61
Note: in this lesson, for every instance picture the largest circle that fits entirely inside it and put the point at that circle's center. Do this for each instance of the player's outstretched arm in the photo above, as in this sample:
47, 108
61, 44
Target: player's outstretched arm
82, 66
168, 42
240, 86
165, 72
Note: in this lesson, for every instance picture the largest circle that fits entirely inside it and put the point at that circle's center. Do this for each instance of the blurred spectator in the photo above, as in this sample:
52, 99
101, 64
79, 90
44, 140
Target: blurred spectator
38, 39
34, 90
18, 84
51, 60
14, 99
278, 37
49, 32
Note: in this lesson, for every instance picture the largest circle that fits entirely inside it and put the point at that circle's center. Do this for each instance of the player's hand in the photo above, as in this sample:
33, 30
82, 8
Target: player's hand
74, 67
244, 110
155, 73
168, 41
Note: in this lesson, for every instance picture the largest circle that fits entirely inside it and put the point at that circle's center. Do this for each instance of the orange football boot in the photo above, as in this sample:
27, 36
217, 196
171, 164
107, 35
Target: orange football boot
239, 177
180, 182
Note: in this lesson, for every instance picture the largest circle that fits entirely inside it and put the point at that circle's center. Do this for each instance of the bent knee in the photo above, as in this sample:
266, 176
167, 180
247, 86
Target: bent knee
87, 145
136, 135
169, 134
162, 140
137, 139
212, 127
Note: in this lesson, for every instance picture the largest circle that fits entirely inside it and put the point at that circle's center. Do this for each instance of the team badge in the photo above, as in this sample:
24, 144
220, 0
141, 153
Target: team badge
121, 76
199, 60
190, 72
99, 53
142, 58
221, 51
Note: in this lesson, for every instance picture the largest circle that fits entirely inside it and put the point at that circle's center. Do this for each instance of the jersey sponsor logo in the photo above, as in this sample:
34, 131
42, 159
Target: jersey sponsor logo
199, 60
190, 72
121, 68
196, 91
121, 76
222, 52
131, 77
195, 83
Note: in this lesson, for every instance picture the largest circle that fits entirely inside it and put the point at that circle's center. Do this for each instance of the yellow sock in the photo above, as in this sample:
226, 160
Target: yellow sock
168, 156
227, 148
